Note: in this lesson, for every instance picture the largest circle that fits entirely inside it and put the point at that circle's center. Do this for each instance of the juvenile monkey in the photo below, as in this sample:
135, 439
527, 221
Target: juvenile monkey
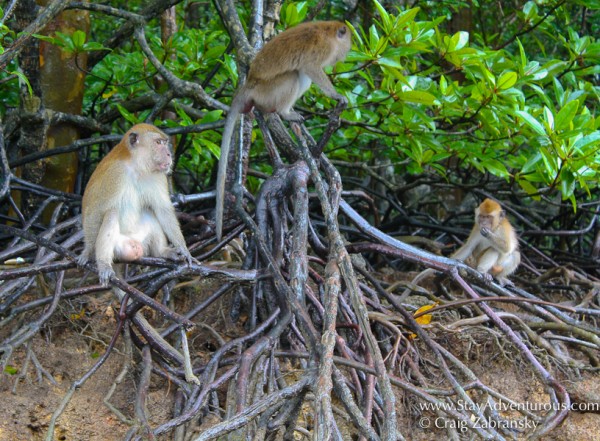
126, 208
492, 247
280, 74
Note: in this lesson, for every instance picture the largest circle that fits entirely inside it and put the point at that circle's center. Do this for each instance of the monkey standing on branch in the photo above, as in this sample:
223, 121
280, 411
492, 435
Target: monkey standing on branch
492, 247
126, 208
281, 72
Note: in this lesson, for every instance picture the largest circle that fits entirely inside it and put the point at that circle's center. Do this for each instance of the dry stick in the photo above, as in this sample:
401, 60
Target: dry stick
324, 419
299, 274
424, 394
142, 395
453, 266
552, 386
442, 365
26, 246
255, 410
26, 332
48, 13
115, 281
340, 386
127, 362
182, 88
5, 175
310, 333
77, 384
295, 295
339, 252
210, 373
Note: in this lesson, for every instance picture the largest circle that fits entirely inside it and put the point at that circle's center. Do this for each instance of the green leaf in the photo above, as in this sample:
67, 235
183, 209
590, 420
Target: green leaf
95, 46
11, 370
587, 141
567, 184
506, 80
522, 56
418, 97
406, 16
127, 114
529, 188
212, 116
531, 122
78, 38
385, 16
458, 41
549, 118
496, 168
566, 114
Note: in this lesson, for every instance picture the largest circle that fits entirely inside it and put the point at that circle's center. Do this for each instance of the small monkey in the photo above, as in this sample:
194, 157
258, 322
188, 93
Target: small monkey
492, 247
126, 208
278, 76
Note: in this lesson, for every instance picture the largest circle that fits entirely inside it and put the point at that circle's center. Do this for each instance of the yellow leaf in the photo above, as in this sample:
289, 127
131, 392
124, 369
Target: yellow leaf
424, 319
108, 94
78, 316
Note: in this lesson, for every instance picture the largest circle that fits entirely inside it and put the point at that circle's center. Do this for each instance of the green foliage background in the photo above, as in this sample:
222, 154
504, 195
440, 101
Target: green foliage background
516, 98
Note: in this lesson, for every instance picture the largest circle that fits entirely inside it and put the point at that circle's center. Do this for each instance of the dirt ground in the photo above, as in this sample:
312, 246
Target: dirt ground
77, 335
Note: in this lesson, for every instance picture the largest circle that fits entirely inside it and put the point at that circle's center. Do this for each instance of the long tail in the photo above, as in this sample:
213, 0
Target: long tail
222, 170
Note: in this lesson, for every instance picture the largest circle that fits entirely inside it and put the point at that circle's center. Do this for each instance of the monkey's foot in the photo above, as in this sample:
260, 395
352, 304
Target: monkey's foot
105, 274
292, 116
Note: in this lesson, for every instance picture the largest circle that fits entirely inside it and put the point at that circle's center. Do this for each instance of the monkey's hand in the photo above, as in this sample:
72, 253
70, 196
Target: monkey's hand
181, 252
82, 260
485, 232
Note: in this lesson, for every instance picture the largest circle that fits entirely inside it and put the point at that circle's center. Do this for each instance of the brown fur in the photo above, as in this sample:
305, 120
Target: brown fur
280, 74
492, 246
126, 208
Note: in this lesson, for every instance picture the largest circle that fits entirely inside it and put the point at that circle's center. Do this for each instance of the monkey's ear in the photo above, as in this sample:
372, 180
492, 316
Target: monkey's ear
133, 139
341, 32
502, 214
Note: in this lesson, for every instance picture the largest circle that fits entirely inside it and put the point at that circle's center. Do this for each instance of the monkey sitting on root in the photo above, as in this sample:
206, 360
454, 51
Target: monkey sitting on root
492, 247
126, 208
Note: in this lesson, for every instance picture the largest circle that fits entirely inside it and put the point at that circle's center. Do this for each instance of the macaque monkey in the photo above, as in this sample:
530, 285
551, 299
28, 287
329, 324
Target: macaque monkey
492, 247
280, 74
126, 208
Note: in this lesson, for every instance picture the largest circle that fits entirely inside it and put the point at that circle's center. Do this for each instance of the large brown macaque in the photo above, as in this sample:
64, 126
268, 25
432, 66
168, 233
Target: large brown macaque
126, 209
278, 76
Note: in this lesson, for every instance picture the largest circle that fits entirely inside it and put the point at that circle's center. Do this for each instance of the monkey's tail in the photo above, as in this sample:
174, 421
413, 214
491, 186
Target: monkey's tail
222, 170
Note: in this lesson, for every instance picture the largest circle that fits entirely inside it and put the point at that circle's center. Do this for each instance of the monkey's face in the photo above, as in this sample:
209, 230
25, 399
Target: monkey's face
152, 152
162, 158
487, 221
150, 149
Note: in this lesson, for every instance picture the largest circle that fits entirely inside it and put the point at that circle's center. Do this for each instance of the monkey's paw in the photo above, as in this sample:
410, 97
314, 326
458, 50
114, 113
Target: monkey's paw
187, 256
292, 116
342, 102
503, 281
488, 278
485, 232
